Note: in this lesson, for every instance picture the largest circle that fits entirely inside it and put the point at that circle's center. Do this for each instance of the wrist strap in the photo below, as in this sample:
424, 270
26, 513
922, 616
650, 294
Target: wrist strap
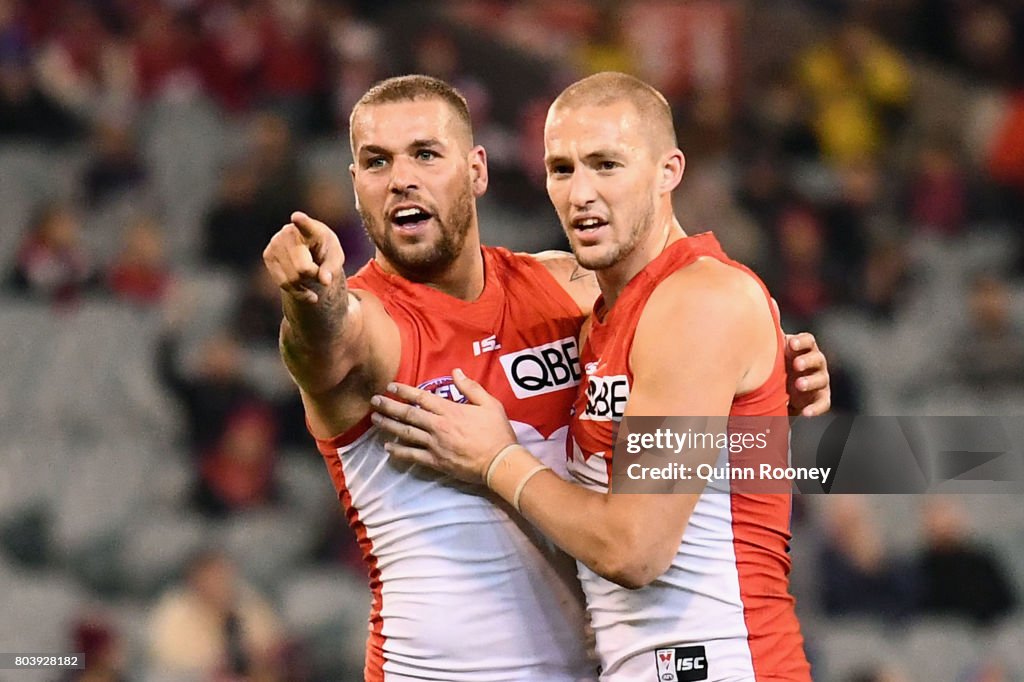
493, 466
522, 484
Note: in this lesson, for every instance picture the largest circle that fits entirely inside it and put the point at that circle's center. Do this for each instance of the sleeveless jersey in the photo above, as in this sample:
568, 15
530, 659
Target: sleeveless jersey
722, 611
463, 589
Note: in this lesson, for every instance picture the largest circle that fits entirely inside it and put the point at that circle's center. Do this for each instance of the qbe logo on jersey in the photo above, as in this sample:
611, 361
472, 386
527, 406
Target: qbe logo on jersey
682, 664
543, 369
606, 398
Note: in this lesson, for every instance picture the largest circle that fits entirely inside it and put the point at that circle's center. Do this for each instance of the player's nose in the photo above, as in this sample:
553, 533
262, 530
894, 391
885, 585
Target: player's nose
581, 190
403, 176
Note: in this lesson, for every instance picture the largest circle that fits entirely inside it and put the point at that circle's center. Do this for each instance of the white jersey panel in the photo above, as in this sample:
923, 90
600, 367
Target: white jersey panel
695, 603
500, 602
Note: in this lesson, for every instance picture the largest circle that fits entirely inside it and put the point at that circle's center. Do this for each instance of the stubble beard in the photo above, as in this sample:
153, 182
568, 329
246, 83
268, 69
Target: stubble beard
618, 251
422, 263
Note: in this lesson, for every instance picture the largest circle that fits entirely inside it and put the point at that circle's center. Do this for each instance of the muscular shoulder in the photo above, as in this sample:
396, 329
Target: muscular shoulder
707, 306
707, 287
707, 310
577, 281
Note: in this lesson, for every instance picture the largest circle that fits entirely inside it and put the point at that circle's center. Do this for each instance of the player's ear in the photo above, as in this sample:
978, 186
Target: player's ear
478, 176
672, 166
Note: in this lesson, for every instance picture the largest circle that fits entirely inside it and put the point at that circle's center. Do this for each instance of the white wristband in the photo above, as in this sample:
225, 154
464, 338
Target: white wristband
492, 467
522, 484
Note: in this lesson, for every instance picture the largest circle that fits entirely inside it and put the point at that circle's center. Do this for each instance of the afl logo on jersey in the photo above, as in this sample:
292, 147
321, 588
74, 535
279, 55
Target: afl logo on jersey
543, 369
444, 387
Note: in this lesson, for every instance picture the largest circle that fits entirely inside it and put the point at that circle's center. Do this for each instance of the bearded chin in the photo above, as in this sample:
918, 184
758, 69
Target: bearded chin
424, 262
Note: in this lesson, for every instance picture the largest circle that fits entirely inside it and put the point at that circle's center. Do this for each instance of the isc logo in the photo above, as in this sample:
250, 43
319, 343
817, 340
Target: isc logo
682, 664
606, 398
543, 369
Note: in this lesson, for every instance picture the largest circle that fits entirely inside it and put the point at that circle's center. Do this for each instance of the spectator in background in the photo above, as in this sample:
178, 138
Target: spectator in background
803, 286
237, 474
858, 575
937, 200
777, 123
83, 64
26, 112
604, 47
104, 653
210, 397
333, 204
986, 42
139, 273
214, 626
167, 51
848, 222
52, 264
234, 223
860, 88
763, 190
1005, 159
115, 166
989, 354
958, 577
257, 319
886, 278
257, 195
293, 72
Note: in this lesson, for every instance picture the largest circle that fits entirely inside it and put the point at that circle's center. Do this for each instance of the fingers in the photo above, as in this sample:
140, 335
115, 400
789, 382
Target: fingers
402, 412
411, 454
821, 405
471, 389
403, 431
810, 361
415, 396
294, 259
812, 382
331, 265
289, 282
804, 341
307, 227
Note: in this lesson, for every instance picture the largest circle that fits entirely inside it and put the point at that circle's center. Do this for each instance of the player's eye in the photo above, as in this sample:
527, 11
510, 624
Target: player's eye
376, 162
560, 169
608, 165
426, 155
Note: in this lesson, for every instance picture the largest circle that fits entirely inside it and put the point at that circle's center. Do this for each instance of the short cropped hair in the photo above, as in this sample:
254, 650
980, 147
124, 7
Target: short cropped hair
411, 88
609, 87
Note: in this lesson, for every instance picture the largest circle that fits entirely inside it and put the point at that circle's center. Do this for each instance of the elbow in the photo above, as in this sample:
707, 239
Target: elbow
633, 566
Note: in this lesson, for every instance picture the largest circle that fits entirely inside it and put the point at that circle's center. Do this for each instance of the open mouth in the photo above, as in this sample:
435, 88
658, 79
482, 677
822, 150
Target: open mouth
410, 218
588, 224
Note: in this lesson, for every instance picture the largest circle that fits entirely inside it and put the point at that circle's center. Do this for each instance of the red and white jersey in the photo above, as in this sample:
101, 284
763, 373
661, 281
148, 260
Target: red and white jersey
463, 589
722, 611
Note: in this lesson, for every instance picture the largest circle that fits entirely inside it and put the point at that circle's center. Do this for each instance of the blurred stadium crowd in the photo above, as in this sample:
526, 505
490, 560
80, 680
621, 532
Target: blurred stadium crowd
162, 508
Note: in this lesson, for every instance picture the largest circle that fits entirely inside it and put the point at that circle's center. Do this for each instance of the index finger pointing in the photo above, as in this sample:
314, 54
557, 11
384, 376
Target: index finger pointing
306, 226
